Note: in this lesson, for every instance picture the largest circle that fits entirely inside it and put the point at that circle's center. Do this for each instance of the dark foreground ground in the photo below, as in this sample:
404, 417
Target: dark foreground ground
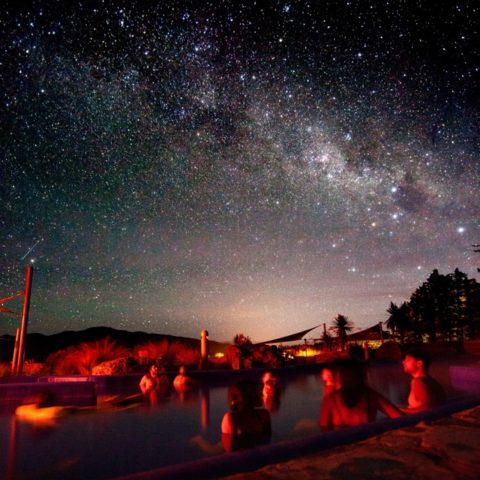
446, 449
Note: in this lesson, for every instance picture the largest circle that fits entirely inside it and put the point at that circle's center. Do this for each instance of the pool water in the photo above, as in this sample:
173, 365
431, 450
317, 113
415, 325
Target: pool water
178, 429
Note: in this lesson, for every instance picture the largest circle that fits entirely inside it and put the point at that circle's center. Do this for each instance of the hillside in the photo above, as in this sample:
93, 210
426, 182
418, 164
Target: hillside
39, 346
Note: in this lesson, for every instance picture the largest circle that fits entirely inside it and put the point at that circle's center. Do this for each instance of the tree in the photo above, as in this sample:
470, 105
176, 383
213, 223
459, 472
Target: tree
399, 321
446, 307
242, 340
341, 326
466, 314
476, 249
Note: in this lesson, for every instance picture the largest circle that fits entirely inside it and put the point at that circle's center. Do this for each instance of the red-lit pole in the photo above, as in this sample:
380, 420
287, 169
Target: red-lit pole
15, 351
204, 350
23, 327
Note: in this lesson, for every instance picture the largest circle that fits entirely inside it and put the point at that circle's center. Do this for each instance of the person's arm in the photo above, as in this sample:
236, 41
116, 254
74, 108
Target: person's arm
387, 407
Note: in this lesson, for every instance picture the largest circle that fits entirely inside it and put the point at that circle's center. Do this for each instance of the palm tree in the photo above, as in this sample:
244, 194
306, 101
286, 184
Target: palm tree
341, 326
399, 320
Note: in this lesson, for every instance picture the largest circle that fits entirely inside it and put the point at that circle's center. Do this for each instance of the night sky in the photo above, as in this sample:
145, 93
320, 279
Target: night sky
243, 166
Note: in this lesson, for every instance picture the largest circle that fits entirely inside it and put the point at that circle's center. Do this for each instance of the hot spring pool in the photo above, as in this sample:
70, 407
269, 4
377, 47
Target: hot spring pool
111, 444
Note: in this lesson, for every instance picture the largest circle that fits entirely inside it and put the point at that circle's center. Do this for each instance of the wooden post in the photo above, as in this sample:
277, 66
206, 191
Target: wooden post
23, 326
381, 332
204, 350
15, 351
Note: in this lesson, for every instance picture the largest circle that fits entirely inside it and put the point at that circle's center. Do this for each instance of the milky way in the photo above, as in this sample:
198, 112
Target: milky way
254, 167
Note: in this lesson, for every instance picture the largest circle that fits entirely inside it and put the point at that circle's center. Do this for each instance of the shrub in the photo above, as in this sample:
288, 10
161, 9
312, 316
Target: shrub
80, 359
180, 354
155, 350
32, 368
5, 369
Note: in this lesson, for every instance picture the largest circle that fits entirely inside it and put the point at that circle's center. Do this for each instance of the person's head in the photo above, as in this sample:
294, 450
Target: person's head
269, 378
349, 374
327, 376
350, 381
153, 370
417, 360
244, 395
270, 385
182, 370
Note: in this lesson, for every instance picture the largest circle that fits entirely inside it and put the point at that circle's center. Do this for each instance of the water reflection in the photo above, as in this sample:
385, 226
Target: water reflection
12, 445
131, 434
271, 391
205, 408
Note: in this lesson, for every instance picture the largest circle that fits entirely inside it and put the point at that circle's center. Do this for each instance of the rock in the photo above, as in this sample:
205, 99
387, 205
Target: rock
119, 366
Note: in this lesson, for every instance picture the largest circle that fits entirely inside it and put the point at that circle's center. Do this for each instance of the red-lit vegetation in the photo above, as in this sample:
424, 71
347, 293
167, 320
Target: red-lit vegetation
179, 354
5, 369
80, 359
154, 350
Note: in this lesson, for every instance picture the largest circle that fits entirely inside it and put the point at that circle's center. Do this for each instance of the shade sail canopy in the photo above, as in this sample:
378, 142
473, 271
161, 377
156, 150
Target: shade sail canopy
371, 333
290, 338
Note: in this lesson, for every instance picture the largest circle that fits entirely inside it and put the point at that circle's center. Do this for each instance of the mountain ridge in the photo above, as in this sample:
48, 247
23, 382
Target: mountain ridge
39, 345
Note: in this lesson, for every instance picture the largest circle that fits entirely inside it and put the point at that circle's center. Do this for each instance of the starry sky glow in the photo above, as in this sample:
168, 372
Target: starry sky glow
247, 166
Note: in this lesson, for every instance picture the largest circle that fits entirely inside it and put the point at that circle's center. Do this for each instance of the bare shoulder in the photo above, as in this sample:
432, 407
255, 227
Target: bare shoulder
227, 423
428, 391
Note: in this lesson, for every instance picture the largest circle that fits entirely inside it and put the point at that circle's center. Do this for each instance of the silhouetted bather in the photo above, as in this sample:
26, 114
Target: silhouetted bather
353, 402
328, 378
246, 424
425, 391
183, 381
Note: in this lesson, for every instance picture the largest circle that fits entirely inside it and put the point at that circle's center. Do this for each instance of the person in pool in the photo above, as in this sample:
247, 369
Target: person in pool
328, 378
244, 426
353, 402
152, 384
182, 380
425, 391
247, 423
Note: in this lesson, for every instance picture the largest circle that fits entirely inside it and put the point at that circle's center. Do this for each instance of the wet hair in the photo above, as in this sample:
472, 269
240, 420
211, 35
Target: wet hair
351, 379
244, 395
419, 353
